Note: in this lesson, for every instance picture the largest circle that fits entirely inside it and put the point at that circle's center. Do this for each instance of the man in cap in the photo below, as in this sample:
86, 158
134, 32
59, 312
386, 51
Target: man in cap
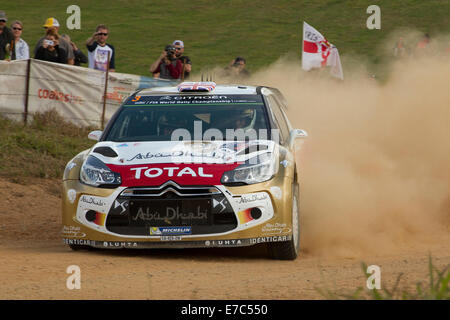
187, 64
52, 22
6, 36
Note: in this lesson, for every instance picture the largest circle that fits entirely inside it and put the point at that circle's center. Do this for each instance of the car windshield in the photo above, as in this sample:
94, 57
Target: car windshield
190, 117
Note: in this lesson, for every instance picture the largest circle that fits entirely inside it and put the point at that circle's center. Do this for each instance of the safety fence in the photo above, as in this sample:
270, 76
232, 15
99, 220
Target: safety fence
78, 94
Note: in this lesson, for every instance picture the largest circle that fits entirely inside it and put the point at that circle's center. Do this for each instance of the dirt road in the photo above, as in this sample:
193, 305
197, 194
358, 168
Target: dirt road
33, 263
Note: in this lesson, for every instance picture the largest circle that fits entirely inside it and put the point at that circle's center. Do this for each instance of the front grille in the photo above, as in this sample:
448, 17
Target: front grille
169, 187
204, 209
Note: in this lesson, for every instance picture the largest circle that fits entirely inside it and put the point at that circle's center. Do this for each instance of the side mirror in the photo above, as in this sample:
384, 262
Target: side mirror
296, 134
95, 135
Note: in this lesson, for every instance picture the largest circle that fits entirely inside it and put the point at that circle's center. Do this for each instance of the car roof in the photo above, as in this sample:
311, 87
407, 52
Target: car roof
218, 90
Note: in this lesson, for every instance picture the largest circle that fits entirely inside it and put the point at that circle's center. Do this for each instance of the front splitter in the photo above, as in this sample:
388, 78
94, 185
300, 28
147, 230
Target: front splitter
176, 244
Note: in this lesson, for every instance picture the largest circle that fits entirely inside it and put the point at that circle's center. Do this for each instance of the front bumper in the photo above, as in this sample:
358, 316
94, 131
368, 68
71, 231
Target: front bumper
126, 218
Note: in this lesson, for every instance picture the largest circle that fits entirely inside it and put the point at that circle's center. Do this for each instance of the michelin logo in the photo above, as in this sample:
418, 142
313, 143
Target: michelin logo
164, 231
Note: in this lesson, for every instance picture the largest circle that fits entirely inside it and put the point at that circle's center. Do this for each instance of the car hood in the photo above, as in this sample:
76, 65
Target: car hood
187, 163
212, 152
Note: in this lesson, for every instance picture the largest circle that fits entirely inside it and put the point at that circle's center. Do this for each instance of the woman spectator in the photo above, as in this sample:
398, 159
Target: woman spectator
50, 49
21, 50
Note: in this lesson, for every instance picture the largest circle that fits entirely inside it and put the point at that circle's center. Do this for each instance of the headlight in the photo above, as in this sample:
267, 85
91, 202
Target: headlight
255, 170
95, 173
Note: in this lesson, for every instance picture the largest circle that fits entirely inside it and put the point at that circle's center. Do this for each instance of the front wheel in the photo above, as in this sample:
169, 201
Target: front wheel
288, 250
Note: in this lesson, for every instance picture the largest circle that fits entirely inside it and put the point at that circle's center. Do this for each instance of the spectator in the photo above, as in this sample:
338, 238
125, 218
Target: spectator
6, 36
53, 23
79, 56
424, 42
237, 68
167, 66
50, 49
187, 64
423, 46
400, 48
21, 50
98, 50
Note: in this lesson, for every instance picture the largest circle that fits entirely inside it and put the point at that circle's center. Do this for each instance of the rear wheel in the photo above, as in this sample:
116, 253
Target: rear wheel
288, 250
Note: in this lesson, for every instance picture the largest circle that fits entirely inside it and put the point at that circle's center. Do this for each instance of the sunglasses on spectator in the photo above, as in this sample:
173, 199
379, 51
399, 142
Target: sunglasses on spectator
1, 20
102, 34
177, 48
17, 28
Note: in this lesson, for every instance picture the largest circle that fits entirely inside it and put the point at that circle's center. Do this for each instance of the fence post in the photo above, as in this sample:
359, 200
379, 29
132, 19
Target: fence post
27, 92
106, 91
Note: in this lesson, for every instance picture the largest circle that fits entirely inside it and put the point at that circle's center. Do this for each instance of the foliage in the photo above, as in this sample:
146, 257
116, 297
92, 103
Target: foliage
40, 149
436, 288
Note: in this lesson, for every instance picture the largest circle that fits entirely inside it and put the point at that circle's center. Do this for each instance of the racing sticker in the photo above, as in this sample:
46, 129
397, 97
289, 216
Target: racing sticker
253, 208
94, 203
73, 232
170, 231
92, 210
169, 100
276, 229
71, 195
184, 174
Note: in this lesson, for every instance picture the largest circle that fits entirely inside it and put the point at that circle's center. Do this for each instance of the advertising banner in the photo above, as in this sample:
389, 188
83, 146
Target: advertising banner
13, 87
74, 92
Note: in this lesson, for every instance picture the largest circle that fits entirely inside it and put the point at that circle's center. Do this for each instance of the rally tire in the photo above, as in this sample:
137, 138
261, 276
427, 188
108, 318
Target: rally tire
288, 250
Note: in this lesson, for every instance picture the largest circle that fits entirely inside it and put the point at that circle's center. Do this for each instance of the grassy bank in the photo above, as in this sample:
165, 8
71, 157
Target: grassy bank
217, 31
41, 149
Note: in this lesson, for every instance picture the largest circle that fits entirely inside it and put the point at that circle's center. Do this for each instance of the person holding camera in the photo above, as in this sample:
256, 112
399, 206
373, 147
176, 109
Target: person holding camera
186, 61
50, 49
53, 23
98, 50
167, 66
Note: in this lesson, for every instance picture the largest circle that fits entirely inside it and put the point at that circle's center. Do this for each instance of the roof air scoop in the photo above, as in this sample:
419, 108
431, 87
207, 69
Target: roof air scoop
204, 86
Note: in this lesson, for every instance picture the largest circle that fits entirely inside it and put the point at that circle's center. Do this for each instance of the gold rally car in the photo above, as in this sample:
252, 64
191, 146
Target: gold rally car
196, 165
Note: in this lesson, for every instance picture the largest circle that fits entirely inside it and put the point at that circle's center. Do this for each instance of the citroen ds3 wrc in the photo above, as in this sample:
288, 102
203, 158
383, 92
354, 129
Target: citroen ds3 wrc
193, 165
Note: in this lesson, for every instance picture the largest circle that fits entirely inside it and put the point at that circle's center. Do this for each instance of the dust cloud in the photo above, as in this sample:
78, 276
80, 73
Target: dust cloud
375, 170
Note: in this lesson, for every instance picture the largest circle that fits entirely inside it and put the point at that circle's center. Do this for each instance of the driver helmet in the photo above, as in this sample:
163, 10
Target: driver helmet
244, 119
168, 123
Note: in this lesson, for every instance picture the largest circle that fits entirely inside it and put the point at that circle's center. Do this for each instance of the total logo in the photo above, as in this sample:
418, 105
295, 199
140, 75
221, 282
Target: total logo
183, 174
153, 172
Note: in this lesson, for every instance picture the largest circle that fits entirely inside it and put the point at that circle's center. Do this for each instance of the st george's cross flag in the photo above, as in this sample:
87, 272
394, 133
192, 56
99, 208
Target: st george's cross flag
317, 52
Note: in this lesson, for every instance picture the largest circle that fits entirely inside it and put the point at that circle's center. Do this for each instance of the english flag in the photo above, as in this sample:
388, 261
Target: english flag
319, 53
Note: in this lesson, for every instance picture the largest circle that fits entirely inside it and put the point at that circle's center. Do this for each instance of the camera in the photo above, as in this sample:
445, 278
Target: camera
238, 62
170, 49
49, 42
186, 60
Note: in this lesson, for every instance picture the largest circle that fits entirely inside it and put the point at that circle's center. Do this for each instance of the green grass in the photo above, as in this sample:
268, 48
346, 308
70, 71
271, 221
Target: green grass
215, 32
40, 150
435, 288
